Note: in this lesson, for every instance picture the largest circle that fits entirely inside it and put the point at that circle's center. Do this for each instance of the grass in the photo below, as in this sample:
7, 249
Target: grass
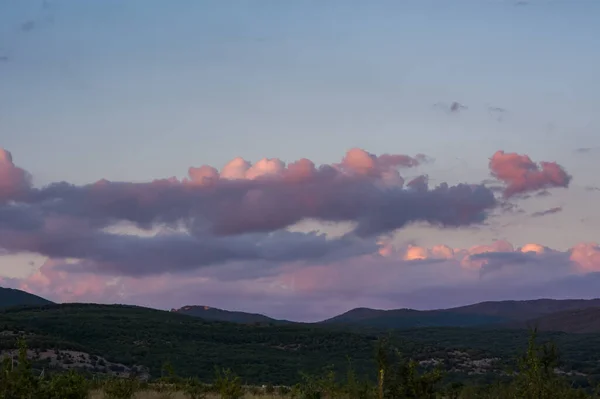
149, 394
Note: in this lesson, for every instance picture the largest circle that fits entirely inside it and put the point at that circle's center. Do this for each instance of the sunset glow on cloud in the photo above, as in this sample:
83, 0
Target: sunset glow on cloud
522, 175
228, 228
241, 157
411, 276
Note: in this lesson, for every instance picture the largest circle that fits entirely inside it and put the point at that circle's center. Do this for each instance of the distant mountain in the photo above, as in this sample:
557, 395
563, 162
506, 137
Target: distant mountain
215, 314
409, 318
578, 321
11, 297
480, 314
497, 314
527, 309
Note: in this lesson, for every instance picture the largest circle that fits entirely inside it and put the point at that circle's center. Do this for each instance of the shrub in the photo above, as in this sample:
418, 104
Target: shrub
283, 390
69, 385
269, 389
18, 382
120, 388
228, 384
400, 378
194, 389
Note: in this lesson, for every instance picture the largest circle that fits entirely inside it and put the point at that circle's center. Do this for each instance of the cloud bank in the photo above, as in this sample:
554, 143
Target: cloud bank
232, 226
407, 276
237, 214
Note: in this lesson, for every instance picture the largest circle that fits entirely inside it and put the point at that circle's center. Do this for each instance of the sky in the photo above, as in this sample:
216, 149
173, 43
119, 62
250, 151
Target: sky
299, 159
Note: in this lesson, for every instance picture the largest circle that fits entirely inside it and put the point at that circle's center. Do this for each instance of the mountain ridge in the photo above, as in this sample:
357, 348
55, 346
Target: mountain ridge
234, 316
10, 297
573, 321
547, 314
497, 314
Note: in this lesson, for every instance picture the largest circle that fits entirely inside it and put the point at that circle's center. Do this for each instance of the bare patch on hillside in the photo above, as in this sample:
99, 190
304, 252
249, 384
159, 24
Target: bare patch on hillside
70, 359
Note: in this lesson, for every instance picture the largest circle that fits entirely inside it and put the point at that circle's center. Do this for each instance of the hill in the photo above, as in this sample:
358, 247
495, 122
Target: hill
496, 314
493, 314
215, 314
571, 321
13, 297
410, 318
132, 335
129, 335
526, 309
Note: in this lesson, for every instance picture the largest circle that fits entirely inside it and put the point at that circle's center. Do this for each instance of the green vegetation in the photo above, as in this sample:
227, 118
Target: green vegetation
131, 335
397, 377
111, 339
19, 381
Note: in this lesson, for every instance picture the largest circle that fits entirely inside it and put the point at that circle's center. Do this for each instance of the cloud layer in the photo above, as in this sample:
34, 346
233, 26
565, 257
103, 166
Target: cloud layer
406, 276
199, 228
236, 214
268, 196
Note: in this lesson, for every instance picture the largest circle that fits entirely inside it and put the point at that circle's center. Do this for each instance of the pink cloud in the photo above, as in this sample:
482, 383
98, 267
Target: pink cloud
269, 196
14, 181
319, 290
235, 218
224, 232
586, 256
522, 175
50, 281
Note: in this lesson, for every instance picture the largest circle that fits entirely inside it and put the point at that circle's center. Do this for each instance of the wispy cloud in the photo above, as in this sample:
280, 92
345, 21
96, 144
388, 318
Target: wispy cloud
497, 112
550, 211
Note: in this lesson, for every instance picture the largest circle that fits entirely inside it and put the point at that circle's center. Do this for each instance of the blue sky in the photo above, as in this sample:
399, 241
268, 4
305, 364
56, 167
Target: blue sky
142, 89
163, 85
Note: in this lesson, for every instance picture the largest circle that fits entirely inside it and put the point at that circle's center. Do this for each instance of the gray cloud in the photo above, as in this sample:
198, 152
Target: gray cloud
126, 254
236, 215
453, 107
583, 150
546, 263
301, 191
313, 291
